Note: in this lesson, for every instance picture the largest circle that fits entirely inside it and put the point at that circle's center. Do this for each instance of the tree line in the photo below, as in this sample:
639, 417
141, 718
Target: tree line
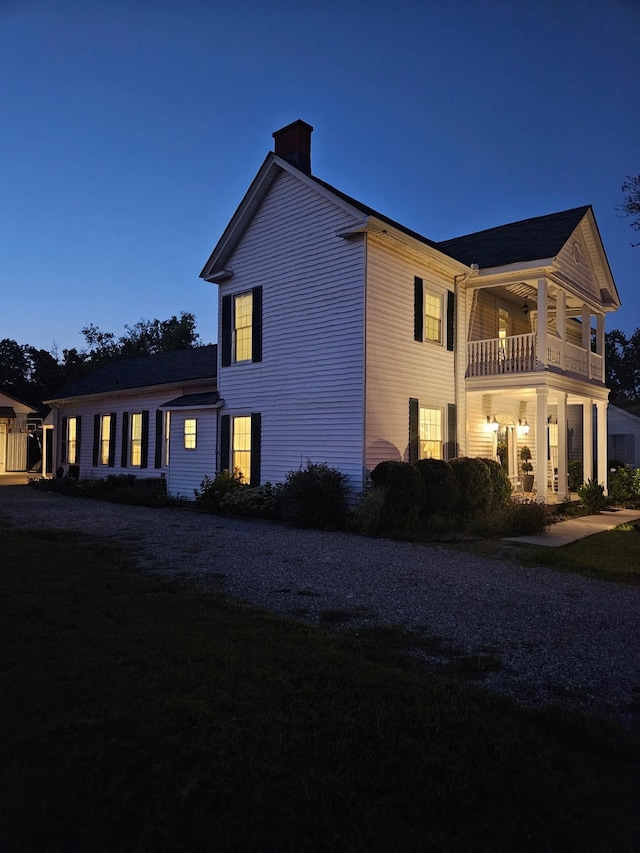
33, 375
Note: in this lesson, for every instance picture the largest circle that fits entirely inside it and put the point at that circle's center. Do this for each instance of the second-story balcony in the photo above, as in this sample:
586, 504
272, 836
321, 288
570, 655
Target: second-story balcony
521, 354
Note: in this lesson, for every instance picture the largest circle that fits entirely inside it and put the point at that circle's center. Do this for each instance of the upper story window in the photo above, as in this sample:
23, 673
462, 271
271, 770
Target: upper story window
432, 316
190, 433
136, 439
242, 326
241, 332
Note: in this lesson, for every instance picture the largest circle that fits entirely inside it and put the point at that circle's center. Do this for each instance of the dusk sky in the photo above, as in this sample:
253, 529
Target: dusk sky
131, 130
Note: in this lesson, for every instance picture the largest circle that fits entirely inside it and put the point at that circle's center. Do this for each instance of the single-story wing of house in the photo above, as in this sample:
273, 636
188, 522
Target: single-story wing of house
18, 427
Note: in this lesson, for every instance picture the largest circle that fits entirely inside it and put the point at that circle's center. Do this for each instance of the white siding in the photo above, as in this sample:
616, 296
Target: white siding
309, 385
187, 468
580, 271
398, 367
621, 423
133, 402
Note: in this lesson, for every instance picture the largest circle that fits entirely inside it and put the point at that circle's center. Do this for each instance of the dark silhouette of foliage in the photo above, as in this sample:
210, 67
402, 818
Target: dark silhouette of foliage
440, 486
631, 204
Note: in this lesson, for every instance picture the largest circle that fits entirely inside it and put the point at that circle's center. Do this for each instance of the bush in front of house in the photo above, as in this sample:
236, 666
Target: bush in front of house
254, 502
440, 486
624, 485
592, 496
474, 483
500, 483
212, 491
316, 496
403, 490
517, 517
576, 476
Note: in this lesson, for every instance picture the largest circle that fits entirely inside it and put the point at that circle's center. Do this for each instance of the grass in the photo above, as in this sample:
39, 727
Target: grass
139, 715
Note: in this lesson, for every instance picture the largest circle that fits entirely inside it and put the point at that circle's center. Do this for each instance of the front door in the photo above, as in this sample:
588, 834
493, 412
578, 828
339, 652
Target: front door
3, 448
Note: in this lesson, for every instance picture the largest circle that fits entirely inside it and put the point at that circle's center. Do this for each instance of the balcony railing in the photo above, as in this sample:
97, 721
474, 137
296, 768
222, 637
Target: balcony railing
518, 354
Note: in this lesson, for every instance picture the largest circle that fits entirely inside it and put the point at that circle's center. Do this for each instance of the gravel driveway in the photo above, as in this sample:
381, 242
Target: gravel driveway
557, 637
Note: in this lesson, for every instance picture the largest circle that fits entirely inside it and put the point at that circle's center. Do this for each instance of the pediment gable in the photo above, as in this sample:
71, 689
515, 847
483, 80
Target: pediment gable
582, 266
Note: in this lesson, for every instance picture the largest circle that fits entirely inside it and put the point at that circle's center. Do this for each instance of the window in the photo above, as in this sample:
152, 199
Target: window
241, 460
504, 323
72, 441
242, 326
105, 436
167, 437
190, 433
136, 439
430, 442
432, 317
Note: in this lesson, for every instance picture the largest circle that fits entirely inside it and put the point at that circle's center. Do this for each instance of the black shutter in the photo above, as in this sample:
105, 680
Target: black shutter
226, 331
78, 437
96, 440
225, 441
452, 432
144, 455
418, 309
64, 430
414, 430
112, 440
256, 440
256, 324
124, 450
451, 314
157, 460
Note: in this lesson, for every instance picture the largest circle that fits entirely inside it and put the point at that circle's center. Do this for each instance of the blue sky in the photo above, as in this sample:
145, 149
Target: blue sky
130, 132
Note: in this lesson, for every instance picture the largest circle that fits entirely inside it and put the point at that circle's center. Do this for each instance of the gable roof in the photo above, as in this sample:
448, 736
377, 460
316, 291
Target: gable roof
168, 368
534, 239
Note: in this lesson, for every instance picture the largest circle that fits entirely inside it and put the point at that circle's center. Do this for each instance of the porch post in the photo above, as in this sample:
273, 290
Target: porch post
587, 439
586, 335
542, 406
600, 337
561, 324
541, 327
563, 468
601, 408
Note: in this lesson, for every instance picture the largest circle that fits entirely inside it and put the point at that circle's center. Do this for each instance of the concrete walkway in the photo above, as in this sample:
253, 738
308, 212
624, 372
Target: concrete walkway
568, 531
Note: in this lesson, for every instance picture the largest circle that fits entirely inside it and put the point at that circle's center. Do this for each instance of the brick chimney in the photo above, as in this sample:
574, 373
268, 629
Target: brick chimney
293, 144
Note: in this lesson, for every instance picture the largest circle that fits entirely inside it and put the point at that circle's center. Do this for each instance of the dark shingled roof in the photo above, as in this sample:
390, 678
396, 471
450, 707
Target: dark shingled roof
7, 412
189, 401
177, 366
528, 240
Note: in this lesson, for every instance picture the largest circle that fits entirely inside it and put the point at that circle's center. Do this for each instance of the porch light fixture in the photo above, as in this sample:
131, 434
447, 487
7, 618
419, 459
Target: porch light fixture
492, 423
525, 307
523, 426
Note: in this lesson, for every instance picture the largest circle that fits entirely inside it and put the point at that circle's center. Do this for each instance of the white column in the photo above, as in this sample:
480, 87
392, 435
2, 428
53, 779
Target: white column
586, 335
561, 315
563, 462
600, 335
542, 317
601, 408
542, 406
587, 439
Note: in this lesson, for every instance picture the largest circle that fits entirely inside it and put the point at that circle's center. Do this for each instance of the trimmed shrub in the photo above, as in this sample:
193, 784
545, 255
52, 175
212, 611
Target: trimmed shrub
518, 517
211, 492
576, 476
500, 482
403, 491
258, 502
440, 487
624, 485
474, 483
367, 518
316, 496
592, 496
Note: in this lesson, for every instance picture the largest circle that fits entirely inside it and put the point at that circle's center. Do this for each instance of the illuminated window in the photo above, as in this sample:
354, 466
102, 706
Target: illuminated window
105, 434
430, 433
190, 433
241, 460
72, 441
167, 436
504, 323
243, 322
432, 317
136, 439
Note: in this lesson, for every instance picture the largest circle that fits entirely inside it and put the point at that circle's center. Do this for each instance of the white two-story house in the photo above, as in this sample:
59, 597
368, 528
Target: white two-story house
349, 339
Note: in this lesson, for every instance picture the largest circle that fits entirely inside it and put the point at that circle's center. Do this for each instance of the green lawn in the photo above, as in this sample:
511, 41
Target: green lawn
137, 715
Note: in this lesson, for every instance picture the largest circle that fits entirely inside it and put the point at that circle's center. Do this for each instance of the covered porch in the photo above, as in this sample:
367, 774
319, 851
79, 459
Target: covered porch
535, 431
